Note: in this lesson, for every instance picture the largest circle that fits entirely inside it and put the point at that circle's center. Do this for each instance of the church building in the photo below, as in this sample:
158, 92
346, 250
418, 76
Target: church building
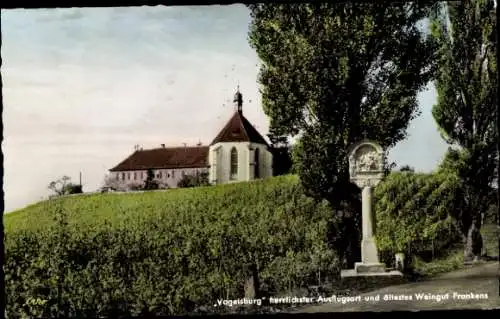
238, 153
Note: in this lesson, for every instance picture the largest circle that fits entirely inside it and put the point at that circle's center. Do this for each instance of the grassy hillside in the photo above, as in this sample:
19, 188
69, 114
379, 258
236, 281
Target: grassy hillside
163, 252
171, 252
95, 210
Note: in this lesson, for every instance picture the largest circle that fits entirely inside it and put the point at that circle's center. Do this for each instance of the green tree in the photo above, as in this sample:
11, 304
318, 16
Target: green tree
195, 180
334, 74
406, 168
150, 182
282, 155
466, 110
202, 179
73, 189
63, 186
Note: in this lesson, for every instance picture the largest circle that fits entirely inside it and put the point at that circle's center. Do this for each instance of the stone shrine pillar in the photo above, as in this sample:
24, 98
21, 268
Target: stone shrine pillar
366, 168
367, 214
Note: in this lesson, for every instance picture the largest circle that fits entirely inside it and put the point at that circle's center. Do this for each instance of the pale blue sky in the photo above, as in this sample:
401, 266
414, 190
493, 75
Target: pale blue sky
82, 86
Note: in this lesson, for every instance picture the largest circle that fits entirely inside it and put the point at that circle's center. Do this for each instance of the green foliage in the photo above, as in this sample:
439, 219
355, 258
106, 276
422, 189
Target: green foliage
282, 155
282, 160
135, 186
61, 186
466, 79
413, 213
150, 182
406, 168
450, 261
196, 180
491, 215
73, 189
163, 252
491, 233
474, 196
337, 73
467, 106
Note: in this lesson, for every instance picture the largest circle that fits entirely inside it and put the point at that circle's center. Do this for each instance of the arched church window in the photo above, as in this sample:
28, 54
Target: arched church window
234, 163
256, 163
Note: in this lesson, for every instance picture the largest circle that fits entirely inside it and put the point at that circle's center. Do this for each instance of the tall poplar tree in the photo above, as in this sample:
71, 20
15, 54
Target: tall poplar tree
335, 73
466, 110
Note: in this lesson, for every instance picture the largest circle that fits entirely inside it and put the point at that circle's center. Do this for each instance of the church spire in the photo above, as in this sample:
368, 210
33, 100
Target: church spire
238, 100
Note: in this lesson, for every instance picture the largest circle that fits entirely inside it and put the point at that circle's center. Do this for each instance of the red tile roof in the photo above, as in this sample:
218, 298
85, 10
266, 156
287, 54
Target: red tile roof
165, 158
239, 129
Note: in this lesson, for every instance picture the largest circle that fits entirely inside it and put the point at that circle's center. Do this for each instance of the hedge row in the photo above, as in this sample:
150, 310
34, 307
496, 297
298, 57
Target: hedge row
413, 214
168, 253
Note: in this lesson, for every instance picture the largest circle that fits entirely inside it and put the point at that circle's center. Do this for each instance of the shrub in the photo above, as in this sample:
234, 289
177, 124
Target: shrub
151, 183
491, 215
195, 180
163, 252
135, 186
63, 186
282, 160
413, 214
73, 189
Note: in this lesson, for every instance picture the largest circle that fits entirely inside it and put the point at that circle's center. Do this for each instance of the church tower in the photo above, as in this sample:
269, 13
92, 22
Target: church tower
239, 152
238, 101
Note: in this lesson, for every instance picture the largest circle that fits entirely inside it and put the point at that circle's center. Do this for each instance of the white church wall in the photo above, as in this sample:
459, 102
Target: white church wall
220, 161
223, 161
213, 160
251, 159
265, 161
269, 164
219, 169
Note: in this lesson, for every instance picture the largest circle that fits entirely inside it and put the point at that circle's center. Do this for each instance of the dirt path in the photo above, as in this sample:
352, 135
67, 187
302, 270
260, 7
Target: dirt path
480, 280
